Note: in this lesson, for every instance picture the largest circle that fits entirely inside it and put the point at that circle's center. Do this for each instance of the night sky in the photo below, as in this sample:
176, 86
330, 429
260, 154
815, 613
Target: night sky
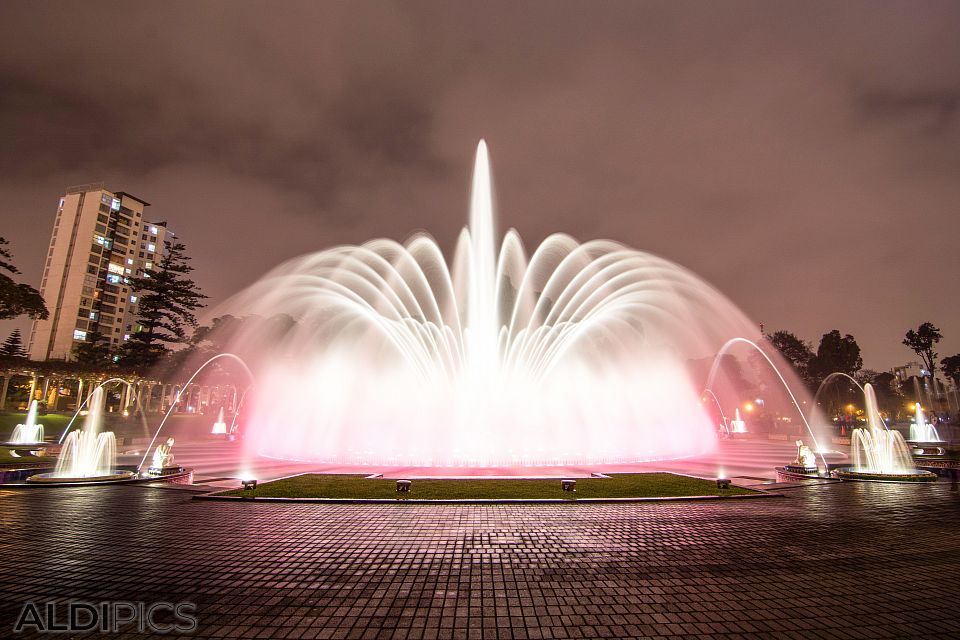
803, 157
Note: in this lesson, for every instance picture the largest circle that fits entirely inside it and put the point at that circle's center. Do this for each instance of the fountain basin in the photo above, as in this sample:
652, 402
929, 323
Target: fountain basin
54, 477
918, 475
927, 449
800, 469
46, 477
28, 449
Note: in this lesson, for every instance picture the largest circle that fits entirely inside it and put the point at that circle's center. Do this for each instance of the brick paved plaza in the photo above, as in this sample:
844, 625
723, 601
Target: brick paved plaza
832, 561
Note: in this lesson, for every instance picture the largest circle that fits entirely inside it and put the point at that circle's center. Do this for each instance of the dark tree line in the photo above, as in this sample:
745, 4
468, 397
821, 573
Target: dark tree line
835, 353
841, 353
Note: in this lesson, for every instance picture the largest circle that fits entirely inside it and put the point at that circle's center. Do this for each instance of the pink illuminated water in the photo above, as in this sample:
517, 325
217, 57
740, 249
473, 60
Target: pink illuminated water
578, 354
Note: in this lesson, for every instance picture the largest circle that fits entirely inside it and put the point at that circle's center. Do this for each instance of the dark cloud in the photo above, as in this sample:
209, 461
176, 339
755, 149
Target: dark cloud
802, 156
937, 109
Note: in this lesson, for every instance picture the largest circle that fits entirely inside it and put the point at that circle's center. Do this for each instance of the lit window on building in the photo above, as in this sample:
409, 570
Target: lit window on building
79, 334
115, 204
133, 298
115, 268
151, 247
153, 230
113, 278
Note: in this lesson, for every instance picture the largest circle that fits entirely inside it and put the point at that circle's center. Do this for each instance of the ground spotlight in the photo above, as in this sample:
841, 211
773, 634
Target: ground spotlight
723, 483
249, 485
403, 486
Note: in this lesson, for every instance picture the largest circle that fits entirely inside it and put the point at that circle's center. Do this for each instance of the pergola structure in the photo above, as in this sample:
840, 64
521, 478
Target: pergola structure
64, 386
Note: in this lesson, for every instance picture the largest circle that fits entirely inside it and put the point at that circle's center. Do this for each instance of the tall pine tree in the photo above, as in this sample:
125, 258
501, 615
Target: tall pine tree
17, 299
13, 347
167, 301
94, 351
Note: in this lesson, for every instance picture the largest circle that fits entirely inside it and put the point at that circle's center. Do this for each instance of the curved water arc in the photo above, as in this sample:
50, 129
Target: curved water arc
87, 399
719, 407
713, 371
173, 405
836, 374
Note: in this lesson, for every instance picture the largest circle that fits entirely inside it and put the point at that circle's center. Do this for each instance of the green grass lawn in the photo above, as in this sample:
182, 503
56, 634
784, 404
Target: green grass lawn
179, 425
53, 424
630, 485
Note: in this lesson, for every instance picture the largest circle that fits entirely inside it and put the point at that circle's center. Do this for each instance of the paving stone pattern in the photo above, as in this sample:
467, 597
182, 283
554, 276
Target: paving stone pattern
844, 560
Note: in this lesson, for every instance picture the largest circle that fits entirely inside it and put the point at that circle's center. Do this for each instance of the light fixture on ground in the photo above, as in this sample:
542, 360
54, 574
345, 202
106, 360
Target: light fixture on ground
403, 486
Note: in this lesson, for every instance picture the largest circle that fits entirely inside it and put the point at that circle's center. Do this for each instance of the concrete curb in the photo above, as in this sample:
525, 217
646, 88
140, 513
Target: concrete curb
481, 501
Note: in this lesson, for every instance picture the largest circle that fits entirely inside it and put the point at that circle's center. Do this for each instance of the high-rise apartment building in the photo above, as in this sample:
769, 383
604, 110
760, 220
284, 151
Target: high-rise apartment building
100, 241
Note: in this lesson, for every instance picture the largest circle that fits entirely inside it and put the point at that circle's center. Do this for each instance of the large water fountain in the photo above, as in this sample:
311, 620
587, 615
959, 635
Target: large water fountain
577, 354
88, 455
880, 453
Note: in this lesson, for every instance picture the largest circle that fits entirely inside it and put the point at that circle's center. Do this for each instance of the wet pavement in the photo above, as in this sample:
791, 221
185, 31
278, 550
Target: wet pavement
839, 560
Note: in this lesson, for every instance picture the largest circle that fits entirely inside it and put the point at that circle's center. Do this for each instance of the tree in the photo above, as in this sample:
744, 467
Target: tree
797, 352
729, 367
951, 368
13, 347
168, 299
922, 341
94, 351
17, 299
836, 353
208, 341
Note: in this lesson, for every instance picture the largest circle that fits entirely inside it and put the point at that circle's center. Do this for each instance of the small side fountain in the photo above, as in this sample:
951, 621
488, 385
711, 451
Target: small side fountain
880, 453
87, 454
26, 441
924, 439
921, 430
31, 432
219, 427
737, 425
